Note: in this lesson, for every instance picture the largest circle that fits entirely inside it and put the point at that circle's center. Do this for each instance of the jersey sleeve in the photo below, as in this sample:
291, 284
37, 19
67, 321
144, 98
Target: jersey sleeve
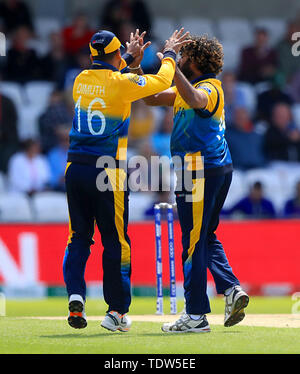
212, 96
174, 88
134, 87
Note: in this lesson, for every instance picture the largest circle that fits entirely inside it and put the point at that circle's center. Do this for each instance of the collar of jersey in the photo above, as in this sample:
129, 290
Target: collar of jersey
203, 77
97, 64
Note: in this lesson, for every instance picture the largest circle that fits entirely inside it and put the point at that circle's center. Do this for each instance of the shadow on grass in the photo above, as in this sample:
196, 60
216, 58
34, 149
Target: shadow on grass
141, 334
81, 336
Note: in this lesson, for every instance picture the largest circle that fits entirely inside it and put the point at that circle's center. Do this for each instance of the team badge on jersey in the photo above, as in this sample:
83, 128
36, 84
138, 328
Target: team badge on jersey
137, 79
207, 89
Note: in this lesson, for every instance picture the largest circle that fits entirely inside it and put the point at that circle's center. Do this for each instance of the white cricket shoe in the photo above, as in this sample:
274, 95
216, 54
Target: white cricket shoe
77, 316
114, 321
186, 324
235, 303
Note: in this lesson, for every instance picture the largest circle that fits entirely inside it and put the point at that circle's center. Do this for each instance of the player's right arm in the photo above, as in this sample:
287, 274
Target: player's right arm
135, 87
164, 98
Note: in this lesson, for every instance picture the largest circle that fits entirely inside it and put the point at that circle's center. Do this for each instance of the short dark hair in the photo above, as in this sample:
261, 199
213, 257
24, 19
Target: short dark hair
257, 185
261, 30
105, 57
206, 53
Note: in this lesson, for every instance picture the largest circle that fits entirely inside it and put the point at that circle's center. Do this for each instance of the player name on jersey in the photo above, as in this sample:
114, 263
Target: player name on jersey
90, 89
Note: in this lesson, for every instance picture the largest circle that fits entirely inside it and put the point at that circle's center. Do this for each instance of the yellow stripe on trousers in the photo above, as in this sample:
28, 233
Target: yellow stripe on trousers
198, 203
117, 179
71, 232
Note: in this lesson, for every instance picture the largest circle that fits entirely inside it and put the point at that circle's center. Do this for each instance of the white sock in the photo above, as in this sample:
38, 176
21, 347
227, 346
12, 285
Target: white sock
228, 291
76, 297
195, 316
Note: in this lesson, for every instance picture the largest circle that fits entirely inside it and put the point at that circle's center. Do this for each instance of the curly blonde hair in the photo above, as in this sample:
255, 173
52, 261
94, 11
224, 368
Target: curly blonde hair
206, 53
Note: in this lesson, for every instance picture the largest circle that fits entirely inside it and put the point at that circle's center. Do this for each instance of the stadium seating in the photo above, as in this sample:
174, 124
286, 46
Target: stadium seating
238, 189
198, 26
15, 207
44, 26
38, 93
28, 122
236, 30
13, 91
31, 100
162, 27
250, 95
138, 203
2, 182
50, 207
232, 53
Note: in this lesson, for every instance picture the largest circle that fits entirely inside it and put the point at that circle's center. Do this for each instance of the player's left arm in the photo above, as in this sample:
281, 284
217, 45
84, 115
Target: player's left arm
195, 98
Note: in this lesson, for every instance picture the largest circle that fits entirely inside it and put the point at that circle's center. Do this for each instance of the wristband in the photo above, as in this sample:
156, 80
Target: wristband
128, 58
136, 68
170, 53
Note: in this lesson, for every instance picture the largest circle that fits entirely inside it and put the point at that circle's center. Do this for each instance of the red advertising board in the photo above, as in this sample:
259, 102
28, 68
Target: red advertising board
259, 252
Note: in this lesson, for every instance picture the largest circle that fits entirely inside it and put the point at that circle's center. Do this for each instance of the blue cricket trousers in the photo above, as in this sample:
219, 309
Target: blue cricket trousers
88, 206
199, 219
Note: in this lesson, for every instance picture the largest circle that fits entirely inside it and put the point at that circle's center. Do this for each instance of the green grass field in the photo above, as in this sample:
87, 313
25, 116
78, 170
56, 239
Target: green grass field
20, 334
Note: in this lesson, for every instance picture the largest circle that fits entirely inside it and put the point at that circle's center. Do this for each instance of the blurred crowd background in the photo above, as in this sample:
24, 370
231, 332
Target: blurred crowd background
261, 82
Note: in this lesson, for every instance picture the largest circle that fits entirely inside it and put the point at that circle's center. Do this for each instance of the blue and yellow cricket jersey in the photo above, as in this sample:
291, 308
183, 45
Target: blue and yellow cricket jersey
201, 131
103, 97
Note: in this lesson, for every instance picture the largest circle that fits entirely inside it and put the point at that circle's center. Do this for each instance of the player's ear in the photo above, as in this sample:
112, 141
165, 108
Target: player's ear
119, 54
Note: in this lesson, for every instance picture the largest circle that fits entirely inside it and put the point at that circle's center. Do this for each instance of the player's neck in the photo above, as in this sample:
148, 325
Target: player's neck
195, 74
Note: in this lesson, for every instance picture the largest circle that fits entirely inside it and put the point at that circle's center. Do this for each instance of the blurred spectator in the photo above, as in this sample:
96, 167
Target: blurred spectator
160, 140
255, 205
282, 139
150, 62
15, 13
258, 62
56, 115
28, 171
57, 158
288, 64
82, 62
292, 206
142, 123
22, 62
55, 63
233, 95
115, 12
77, 35
294, 87
274, 95
124, 30
9, 139
245, 143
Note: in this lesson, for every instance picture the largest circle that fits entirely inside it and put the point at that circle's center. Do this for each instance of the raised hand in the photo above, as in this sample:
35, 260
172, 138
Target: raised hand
136, 47
177, 40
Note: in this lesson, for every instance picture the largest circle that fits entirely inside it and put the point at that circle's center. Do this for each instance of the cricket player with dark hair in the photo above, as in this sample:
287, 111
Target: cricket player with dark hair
103, 97
198, 140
